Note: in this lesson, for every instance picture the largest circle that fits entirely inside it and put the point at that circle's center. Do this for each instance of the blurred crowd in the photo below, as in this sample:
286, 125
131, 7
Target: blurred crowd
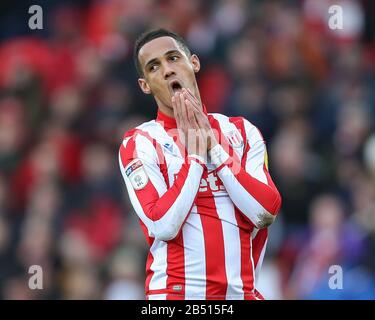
68, 93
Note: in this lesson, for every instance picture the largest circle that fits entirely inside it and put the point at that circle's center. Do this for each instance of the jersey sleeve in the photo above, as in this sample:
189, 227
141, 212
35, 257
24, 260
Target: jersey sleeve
247, 180
163, 210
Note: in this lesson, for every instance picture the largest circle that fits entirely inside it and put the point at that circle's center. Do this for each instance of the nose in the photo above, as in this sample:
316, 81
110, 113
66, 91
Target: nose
168, 71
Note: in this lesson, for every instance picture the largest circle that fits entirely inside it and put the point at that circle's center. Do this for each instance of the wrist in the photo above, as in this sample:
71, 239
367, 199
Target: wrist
198, 158
211, 142
218, 155
212, 146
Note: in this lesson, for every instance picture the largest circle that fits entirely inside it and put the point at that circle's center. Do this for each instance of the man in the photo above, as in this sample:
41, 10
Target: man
198, 182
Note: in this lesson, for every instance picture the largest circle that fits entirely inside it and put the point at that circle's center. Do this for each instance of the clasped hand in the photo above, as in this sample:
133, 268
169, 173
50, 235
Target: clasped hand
192, 123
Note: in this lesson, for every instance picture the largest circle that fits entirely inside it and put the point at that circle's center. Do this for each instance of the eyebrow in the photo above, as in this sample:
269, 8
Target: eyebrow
165, 54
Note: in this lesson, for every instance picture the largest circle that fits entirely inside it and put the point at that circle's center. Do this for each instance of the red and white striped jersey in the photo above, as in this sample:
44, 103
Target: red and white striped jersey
206, 224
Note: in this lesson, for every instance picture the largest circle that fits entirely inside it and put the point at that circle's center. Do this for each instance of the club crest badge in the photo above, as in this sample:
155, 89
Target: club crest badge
137, 175
235, 139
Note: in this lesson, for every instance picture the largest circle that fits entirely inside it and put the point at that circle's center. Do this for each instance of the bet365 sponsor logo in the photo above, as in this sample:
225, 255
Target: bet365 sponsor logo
211, 183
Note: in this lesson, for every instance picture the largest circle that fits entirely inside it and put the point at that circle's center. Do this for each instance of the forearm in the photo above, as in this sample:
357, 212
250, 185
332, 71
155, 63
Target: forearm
164, 214
258, 201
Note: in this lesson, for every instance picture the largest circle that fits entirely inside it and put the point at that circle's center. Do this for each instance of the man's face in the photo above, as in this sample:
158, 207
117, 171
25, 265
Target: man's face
167, 69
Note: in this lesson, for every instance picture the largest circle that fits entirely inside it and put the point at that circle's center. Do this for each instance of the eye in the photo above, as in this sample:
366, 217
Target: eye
174, 58
153, 68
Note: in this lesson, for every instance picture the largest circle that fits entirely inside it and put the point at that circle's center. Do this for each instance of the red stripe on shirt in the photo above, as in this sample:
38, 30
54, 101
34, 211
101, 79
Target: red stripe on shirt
148, 195
240, 125
233, 160
267, 195
223, 141
150, 258
216, 278
247, 271
258, 244
153, 206
125, 159
161, 158
176, 268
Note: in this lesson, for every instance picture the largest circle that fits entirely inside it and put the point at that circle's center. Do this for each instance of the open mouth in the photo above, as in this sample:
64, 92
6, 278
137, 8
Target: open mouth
175, 86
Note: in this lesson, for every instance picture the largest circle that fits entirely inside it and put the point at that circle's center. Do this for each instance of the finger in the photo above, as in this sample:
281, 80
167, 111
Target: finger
197, 134
193, 100
177, 102
181, 107
200, 120
193, 131
184, 116
184, 122
176, 110
181, 124
197, 109
174, 106
191, 114
190, 93
205, 128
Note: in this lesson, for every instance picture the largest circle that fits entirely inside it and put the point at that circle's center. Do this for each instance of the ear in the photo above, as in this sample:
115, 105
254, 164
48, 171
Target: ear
195, 62
144, 86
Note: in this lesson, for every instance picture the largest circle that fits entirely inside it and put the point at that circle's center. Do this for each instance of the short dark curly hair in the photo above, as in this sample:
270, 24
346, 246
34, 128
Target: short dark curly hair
151, 35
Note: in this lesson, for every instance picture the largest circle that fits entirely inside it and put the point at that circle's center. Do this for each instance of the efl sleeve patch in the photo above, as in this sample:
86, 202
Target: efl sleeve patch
137, 175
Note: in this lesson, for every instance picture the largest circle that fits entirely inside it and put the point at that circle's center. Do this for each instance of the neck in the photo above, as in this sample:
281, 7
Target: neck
168, 111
